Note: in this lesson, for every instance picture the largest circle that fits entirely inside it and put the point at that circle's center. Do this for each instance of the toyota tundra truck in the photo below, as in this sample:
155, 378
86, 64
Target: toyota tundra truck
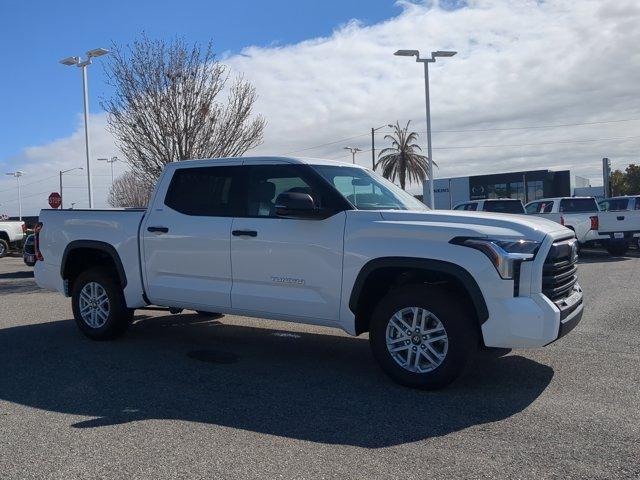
323, 243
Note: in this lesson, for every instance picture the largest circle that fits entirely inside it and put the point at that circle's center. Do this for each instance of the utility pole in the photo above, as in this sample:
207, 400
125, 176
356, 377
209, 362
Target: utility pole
373, 144
353, 151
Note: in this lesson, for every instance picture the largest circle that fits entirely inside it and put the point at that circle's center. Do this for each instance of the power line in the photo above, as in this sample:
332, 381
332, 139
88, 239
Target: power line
559, 142
529, 127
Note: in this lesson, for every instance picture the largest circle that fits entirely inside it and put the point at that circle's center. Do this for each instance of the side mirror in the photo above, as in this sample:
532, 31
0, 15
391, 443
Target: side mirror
296, 205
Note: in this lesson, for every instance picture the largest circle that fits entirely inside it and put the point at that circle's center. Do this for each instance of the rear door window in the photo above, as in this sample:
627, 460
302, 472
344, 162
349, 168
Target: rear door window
206, 191
578, 205
504, 206
472, 207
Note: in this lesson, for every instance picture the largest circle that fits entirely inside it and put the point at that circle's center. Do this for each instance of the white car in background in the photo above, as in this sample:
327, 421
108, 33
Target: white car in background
579, 214
11, 234
495, 205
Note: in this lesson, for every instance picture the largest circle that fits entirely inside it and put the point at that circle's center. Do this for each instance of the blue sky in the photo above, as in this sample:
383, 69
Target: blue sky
548, 84
40, 98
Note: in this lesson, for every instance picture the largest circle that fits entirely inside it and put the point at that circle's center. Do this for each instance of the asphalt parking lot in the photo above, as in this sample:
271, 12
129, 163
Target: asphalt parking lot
185, 397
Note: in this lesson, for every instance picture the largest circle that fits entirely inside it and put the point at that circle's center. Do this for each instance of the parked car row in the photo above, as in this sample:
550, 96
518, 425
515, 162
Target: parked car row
581, 214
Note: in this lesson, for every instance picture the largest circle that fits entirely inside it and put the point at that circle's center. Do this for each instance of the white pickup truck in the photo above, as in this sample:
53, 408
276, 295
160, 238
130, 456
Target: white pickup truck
322, 243
11, 233
579, 214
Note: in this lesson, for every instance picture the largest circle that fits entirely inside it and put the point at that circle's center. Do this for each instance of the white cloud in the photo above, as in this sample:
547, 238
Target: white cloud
520, 63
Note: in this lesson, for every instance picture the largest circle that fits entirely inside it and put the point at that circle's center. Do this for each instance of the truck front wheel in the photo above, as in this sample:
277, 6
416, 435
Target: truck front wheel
421, 337
98, 305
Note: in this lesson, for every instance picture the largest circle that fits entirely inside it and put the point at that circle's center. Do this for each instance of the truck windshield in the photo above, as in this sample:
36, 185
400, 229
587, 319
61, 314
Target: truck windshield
367, 190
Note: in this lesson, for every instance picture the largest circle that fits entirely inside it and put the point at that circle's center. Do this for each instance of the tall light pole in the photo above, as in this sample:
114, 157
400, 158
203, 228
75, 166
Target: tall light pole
17, 174
353, 151
83, 64
111, 161
426, 62
373, 144
62, 172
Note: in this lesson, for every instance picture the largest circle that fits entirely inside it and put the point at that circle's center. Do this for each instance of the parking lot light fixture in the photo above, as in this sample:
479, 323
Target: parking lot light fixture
17, 174
83, 64
62, 172
426, 62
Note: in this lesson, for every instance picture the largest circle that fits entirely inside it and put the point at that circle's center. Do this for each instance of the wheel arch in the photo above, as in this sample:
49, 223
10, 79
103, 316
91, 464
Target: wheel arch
380, 275
81, 254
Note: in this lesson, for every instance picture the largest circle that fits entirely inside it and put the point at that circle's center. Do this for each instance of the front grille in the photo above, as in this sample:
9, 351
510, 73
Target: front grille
559, 270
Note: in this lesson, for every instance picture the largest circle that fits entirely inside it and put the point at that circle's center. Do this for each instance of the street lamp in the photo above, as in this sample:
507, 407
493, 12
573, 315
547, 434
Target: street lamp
78, 62
373, 144
17, 174
353, 151
111, 160
61, 172
426, 62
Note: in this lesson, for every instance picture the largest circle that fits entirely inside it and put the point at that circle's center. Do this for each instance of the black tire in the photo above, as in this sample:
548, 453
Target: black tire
617, 249
460, 330
119, 316
4, 248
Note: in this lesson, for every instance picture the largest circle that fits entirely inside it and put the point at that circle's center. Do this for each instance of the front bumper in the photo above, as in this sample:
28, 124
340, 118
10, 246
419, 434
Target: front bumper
530, 322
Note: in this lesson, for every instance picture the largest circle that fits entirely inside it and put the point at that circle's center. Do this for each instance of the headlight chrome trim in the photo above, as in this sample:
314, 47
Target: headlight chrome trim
505, 254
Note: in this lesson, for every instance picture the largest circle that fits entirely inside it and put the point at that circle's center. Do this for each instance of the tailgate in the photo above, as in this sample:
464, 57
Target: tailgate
618, 225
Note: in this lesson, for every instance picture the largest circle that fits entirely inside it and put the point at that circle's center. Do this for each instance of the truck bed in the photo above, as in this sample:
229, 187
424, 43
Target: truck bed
619, 224
117, 228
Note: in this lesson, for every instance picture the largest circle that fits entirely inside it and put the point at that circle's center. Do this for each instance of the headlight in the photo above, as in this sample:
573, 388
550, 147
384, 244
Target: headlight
505, 255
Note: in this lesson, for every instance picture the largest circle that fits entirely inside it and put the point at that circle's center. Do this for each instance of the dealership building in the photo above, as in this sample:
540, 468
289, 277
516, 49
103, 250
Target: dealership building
527, 186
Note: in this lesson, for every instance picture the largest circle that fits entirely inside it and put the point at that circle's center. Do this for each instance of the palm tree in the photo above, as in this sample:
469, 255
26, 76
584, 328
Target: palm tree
402, 159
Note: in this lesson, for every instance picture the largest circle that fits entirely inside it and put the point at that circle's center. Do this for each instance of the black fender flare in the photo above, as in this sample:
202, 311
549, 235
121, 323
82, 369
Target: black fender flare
456, 271
95, 245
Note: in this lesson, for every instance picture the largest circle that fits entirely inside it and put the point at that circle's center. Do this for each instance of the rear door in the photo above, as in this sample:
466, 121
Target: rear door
285, 266
186, 237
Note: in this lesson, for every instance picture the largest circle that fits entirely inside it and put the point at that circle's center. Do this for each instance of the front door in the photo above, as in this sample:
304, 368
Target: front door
186, 238
281, 266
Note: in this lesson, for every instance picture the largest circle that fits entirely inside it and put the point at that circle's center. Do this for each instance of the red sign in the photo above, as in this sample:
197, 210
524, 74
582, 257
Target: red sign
55, 200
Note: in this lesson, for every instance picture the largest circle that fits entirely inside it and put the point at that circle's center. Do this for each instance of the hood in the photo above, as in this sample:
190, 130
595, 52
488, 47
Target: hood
493, 225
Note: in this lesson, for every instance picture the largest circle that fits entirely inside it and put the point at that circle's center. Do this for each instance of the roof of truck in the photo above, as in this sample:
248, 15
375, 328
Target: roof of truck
270, 159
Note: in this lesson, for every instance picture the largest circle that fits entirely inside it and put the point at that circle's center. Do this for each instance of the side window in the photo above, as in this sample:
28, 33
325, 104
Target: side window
546, 207
532, 207
619, 204
604, 205
471, 206
462, 206
205, 191
637, 200
266, 182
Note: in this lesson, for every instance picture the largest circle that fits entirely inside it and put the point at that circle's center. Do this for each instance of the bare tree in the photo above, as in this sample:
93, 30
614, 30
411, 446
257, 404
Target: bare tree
130, 190
176, 102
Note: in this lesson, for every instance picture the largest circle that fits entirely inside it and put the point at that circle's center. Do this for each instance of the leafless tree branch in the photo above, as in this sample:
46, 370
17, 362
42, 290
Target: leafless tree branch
174, 101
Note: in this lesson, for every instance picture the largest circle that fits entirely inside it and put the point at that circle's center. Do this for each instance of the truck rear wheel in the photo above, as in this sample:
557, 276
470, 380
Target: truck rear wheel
4, 247
421, 337
98, 305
